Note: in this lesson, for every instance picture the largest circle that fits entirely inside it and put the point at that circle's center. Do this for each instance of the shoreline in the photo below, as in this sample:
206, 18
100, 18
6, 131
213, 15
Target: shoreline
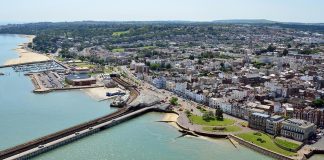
171, 117
99, 94
26, 55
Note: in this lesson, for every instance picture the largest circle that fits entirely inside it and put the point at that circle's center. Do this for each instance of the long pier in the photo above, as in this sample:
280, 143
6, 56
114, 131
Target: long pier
65, 136
12, 65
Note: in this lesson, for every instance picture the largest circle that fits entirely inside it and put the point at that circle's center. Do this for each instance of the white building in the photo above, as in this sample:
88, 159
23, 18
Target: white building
180, 88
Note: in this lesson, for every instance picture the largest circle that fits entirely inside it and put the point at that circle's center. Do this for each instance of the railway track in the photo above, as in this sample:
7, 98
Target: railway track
60, 134
72, 130
133, 92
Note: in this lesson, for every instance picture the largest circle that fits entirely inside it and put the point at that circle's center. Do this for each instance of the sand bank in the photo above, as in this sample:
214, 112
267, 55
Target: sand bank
171, 117
26, 55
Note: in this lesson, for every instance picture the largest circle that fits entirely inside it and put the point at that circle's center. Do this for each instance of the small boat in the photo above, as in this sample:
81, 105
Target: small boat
2, 74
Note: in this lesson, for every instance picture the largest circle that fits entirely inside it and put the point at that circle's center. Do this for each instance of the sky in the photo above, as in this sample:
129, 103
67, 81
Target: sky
310, 11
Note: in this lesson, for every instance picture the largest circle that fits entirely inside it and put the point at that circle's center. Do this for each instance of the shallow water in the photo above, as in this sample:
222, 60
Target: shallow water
145, 139
25, 116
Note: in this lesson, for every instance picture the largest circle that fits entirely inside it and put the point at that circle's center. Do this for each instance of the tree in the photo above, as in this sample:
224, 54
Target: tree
199, 61
318, 103
285, 52
207, 116
188, 113
174, 101
168, 66
191, 57
147, 63
271, 48
155, 66
219, 114
82, 58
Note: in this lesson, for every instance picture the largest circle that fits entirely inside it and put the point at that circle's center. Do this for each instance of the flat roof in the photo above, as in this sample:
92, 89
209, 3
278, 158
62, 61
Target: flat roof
299, 122
261, 115
276, 118
77, 76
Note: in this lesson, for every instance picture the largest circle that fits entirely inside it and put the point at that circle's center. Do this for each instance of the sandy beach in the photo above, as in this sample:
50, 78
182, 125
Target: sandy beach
100, 93
26, 56
171, 117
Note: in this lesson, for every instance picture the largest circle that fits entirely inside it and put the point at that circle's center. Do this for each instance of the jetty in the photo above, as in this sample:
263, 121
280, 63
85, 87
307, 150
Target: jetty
66, 136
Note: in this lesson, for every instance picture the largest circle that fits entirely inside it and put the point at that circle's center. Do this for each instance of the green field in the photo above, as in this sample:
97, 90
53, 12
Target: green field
244, 124
227, 129
213, 122
59, 59
118, 50
287, 144
120, 33
84, 65
264, 141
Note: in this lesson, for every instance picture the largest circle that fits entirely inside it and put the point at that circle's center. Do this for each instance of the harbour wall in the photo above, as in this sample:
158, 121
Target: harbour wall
260, 149
73, 137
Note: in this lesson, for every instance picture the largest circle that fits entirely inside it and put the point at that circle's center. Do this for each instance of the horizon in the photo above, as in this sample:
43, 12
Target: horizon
147, 10
184, 21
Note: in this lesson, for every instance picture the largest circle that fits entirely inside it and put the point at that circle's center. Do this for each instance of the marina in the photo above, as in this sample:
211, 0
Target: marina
39, 67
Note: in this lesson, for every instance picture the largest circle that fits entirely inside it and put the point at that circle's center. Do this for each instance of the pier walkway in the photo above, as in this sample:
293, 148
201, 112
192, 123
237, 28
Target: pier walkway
12, 65
52, 141
50, 145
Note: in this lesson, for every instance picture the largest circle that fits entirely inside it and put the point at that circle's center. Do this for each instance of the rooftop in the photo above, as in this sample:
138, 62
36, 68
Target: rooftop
299, 122
77, 76
261, 115
276, 118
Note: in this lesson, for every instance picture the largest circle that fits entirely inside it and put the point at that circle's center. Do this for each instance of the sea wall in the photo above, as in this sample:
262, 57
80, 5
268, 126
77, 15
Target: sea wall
260, 149
313, 152
71, 138
288, 149
213, 135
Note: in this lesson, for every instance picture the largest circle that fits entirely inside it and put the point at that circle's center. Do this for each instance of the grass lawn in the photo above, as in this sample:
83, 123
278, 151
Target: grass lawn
264, 141
118, 50
120, 33
109, 70
213, 122
227, 129
287, 144
84, 65
244, 124
59, 59
202, 110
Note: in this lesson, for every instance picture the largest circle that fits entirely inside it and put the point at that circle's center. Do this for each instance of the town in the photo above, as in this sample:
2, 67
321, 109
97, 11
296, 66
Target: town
262, 84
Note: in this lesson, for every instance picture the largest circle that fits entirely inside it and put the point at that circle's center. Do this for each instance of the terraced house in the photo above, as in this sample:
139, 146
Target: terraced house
297, 129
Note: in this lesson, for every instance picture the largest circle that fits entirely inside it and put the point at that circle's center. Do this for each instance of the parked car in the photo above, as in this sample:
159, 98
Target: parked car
41, 146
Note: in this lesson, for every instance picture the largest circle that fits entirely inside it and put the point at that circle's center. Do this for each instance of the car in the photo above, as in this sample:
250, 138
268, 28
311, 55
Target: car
76, 133
90, 128
41, 146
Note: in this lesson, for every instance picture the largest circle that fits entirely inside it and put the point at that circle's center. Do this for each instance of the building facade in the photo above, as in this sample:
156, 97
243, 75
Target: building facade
273, 125
297, 129
258, 121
